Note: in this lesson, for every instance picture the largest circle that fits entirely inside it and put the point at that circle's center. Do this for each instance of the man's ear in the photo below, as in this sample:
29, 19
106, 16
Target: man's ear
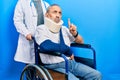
46, 15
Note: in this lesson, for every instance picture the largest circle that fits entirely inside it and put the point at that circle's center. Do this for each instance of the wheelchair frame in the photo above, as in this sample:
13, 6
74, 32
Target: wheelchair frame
38, 72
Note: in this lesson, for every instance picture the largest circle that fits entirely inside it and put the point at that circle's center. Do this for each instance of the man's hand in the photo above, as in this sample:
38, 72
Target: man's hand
72, 28
72, 57
29, 37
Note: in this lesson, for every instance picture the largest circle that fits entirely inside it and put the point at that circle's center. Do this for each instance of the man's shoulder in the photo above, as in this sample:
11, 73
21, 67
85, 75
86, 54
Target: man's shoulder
41, 27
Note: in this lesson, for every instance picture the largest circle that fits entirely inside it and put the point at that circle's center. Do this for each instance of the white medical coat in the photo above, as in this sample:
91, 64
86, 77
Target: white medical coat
25, 20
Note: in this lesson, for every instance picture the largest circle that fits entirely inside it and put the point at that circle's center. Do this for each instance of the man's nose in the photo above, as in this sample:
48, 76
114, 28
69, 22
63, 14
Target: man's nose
58, 15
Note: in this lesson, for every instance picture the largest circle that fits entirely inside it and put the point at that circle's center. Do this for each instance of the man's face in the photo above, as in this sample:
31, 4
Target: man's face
55, 14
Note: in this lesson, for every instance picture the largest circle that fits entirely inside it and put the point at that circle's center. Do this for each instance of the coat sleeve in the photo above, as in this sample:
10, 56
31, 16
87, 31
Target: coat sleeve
19, 18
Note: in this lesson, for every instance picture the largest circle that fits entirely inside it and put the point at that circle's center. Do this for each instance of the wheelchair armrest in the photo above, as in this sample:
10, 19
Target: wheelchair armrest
80, 45
51, 53
87, 61
87, 46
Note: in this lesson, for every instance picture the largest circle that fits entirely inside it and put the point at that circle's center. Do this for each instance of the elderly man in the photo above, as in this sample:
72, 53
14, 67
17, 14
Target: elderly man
54, 37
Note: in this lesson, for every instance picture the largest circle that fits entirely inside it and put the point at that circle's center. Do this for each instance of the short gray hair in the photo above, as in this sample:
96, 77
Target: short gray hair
51, 6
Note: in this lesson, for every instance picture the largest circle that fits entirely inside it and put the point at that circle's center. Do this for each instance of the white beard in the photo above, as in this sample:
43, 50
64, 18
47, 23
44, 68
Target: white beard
53, 26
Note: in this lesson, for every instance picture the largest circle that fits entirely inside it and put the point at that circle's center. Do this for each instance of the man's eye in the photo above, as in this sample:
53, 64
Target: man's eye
60, 13
55, 11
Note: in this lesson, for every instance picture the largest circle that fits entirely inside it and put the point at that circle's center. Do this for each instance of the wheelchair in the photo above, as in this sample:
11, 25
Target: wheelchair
37, 71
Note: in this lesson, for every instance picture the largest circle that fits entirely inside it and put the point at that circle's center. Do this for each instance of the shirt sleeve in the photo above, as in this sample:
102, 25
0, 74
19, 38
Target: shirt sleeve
47, 46
41, 34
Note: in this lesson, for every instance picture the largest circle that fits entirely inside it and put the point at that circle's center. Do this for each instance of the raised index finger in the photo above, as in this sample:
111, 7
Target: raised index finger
69, 22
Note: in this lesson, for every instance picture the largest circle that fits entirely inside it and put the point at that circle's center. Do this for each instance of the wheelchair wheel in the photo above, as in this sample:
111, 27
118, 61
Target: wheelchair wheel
35, 72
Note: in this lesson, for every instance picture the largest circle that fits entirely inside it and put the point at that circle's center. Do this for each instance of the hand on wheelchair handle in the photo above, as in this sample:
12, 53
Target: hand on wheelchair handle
29, 37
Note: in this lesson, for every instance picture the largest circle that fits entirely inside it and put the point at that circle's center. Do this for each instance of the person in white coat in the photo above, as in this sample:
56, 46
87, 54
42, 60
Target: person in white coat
25, 21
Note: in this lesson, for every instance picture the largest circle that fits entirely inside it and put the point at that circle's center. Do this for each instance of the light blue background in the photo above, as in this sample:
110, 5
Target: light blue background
98, 21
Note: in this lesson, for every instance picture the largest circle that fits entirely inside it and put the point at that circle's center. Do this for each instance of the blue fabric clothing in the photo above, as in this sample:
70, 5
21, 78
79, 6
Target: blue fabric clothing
49, 46
83, 72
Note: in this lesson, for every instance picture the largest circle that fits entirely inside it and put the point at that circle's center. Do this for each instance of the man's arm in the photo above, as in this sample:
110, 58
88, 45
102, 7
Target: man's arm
49, 46
73, 31
19, 19
79, 39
